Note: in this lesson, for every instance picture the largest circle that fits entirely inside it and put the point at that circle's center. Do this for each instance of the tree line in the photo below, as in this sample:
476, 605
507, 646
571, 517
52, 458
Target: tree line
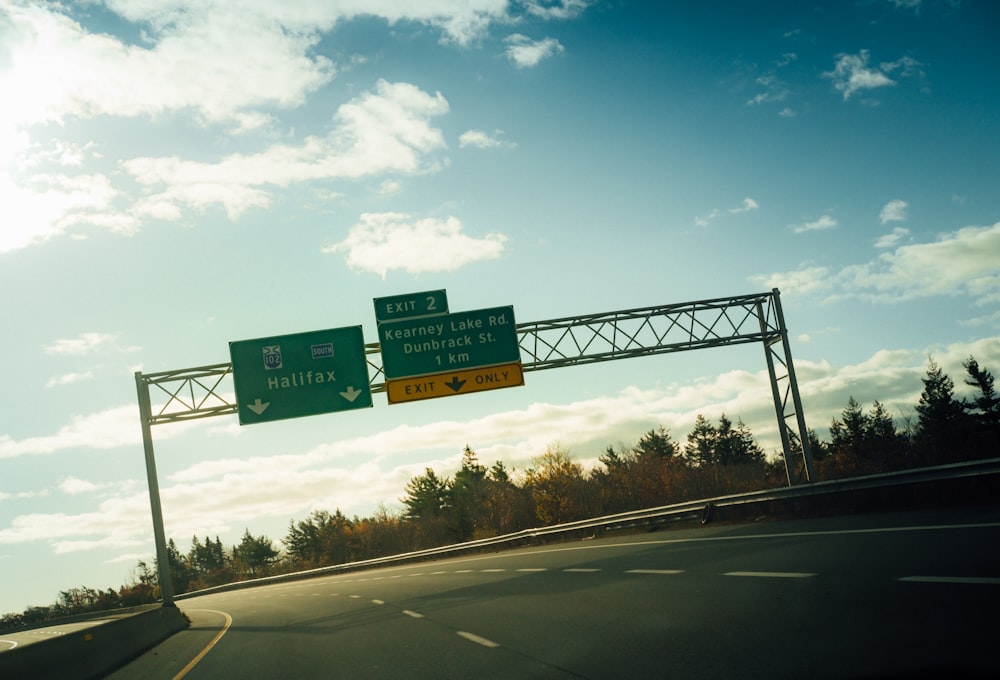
715, 458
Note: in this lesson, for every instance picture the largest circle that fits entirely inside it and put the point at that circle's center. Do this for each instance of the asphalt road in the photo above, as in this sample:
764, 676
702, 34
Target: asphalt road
857, 597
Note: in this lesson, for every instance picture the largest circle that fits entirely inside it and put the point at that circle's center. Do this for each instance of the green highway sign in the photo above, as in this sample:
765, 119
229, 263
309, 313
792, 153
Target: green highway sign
304, 374
429, 303
452, 342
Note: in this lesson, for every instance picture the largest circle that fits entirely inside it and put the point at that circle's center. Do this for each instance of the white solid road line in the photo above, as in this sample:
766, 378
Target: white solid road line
770, 574
975, 580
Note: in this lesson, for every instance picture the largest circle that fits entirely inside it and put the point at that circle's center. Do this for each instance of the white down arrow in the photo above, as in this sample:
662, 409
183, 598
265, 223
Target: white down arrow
259, 406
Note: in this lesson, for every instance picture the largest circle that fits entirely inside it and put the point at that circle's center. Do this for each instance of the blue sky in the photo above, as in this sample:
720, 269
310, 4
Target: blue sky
178, 175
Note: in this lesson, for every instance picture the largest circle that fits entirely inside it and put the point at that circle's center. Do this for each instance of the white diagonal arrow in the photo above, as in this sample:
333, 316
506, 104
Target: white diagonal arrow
259, 406
351, 394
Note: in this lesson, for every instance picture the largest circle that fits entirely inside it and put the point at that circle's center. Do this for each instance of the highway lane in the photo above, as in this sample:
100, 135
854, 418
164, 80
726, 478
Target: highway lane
24, 638
843, 597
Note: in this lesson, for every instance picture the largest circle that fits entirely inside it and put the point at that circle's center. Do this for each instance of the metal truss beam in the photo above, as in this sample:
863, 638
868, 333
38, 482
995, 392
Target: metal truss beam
207, 391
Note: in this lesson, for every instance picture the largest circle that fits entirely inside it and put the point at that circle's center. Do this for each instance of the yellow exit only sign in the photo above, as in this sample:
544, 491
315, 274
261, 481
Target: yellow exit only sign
457, 382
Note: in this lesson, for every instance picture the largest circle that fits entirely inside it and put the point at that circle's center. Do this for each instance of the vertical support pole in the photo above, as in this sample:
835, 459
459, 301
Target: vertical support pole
159, 535
786, 445
793, 391
793, 386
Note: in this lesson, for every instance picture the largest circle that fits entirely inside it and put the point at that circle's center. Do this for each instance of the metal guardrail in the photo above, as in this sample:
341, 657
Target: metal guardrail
692, 510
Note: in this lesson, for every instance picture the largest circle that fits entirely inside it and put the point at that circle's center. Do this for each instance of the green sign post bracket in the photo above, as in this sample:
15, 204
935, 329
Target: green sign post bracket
304, 374
451, 342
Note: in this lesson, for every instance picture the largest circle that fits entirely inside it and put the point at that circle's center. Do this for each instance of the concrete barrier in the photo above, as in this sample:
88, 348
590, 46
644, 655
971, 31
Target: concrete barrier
93, 652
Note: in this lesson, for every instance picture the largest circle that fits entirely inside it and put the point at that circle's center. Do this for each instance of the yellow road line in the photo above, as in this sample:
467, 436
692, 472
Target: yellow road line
208, 648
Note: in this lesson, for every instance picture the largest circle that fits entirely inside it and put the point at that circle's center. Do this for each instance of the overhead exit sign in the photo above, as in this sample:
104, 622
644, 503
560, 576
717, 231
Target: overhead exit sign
395, 307
287, 376
452, 342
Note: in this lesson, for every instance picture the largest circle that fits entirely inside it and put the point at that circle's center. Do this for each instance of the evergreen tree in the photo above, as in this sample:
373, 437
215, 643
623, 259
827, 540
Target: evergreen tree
941, 434
426, 496
847, 438
254, 555
656, 444
467, 495
508, 507
320, 539
984, 409
887, 446
700, 446
180, 571
617, 482
726, 444
736, 445
865, 442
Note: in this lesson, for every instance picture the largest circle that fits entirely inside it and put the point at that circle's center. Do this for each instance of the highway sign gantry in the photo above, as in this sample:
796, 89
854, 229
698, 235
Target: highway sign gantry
303, 374
448, 343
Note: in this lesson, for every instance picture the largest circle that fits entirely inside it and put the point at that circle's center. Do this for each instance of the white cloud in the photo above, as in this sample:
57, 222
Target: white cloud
893, 211
892, 239
103, 430
98, 431
823, 223
558, 9
748, 205
85, 343
381, 242
963, 262
478, 139
852, 74
232, 65
773, 90
800, 282
48, 204
387, 130
73, 486
524, 52
215, 61
389, 187
69, 378
705, 220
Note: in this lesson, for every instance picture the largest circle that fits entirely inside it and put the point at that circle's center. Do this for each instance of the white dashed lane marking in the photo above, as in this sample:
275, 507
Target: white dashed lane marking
665, 572
472, 637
